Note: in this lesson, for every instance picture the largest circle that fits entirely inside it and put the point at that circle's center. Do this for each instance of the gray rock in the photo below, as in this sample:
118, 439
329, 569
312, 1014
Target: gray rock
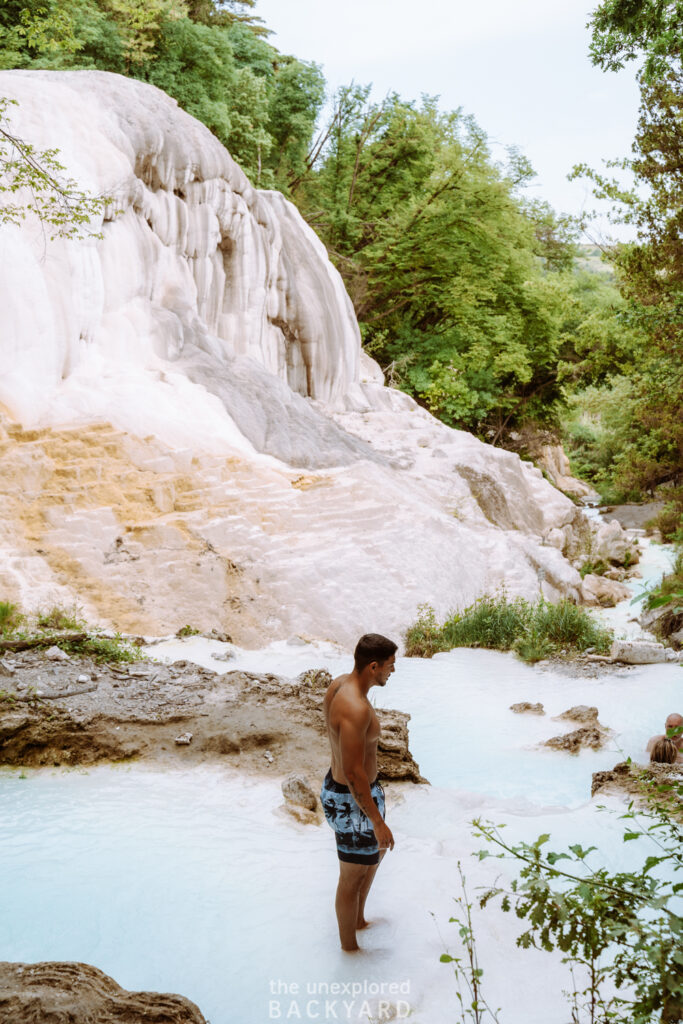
56, 654
223, 656
638, 652
6, 668
184, 739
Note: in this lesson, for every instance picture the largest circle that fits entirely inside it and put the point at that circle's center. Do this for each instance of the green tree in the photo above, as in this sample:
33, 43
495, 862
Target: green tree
446, 264
649, 269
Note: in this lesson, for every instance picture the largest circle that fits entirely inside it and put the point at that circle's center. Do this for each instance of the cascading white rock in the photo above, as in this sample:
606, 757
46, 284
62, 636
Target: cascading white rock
158, 369
192, 259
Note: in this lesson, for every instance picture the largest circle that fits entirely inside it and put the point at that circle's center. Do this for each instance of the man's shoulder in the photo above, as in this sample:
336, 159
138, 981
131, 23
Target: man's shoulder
348, 703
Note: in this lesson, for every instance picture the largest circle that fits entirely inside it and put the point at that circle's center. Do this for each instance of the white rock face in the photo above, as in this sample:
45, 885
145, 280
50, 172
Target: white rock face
614, 544
554, 461
602, 591
639, 652
164, 387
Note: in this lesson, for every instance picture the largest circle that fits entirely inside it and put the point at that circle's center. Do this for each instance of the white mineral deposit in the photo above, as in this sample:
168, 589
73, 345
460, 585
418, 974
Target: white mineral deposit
184, 398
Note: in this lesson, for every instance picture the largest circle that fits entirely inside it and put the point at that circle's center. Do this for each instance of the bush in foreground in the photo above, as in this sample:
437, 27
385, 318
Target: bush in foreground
534, 631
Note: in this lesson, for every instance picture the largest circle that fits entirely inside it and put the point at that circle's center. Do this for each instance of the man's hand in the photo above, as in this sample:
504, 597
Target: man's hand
385, 839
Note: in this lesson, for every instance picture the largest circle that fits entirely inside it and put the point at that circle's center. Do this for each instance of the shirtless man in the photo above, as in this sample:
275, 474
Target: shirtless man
673, 722
352, 798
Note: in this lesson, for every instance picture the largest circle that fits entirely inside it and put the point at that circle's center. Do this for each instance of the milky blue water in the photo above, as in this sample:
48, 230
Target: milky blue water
193, 882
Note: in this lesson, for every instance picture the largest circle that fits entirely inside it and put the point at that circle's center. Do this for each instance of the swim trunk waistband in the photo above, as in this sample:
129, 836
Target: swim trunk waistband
333, 786
353, 831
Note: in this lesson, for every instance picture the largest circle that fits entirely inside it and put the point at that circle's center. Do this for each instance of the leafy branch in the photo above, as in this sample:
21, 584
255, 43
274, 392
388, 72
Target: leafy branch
32, 182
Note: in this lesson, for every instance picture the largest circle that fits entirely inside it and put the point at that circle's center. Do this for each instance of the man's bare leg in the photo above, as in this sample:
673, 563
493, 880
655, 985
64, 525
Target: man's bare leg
347, 903
365, 889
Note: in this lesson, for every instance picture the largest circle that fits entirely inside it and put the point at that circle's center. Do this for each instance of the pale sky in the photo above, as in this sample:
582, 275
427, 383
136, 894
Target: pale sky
522, 69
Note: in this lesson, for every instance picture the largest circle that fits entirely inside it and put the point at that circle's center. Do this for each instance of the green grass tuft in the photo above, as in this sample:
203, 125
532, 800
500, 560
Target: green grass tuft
103, 648
188, 631
59, 617
534, 631
10, 617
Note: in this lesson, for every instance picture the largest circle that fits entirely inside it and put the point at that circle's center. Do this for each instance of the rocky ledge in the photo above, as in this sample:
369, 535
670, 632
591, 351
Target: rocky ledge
637, 781
73, 993
72, 711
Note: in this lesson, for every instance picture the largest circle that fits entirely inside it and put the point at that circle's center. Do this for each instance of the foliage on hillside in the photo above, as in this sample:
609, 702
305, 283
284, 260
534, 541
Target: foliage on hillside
211, 57
649, 270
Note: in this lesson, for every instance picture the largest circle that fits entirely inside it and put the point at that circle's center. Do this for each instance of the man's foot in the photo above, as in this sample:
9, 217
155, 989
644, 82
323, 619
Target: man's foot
351, 949
362, 924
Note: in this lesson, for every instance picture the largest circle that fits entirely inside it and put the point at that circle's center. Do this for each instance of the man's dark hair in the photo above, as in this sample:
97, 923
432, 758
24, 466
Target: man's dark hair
372, 647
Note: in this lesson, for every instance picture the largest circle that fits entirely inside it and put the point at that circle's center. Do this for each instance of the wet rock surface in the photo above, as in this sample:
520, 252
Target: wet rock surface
581, 713
75, 993
523, 707
587, 736
635, 780
251, 721
592, 733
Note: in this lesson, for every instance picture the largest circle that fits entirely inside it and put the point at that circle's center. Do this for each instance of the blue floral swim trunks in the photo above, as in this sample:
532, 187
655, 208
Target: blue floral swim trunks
356, 842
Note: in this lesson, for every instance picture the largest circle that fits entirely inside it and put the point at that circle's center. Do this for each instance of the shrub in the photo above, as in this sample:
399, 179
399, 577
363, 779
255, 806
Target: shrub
492, 622
10, 617
622, 930
423, 639
188, 631
103, 648
59, 617
534, 631
567, 625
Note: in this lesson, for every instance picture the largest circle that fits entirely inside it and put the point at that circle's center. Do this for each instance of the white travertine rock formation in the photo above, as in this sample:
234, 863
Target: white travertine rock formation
553, 459
189, 431
600, 590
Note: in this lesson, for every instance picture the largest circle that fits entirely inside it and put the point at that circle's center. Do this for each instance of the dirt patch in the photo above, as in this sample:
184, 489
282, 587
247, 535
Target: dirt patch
75, 712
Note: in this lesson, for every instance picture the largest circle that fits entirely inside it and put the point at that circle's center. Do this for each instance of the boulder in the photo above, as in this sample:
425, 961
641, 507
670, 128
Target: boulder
524, 707
394, 760
581, 713
297, 790
588, 736
80, 994
598, 590
635, 780
56, 654
553, 459
612, 544
639, 652
556, 538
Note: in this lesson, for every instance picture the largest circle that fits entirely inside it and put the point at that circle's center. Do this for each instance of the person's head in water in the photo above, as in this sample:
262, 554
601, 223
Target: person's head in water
375, 648
664, 751
675, 721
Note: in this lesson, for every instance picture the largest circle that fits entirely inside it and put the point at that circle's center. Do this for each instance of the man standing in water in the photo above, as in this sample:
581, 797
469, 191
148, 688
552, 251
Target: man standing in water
352, 798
